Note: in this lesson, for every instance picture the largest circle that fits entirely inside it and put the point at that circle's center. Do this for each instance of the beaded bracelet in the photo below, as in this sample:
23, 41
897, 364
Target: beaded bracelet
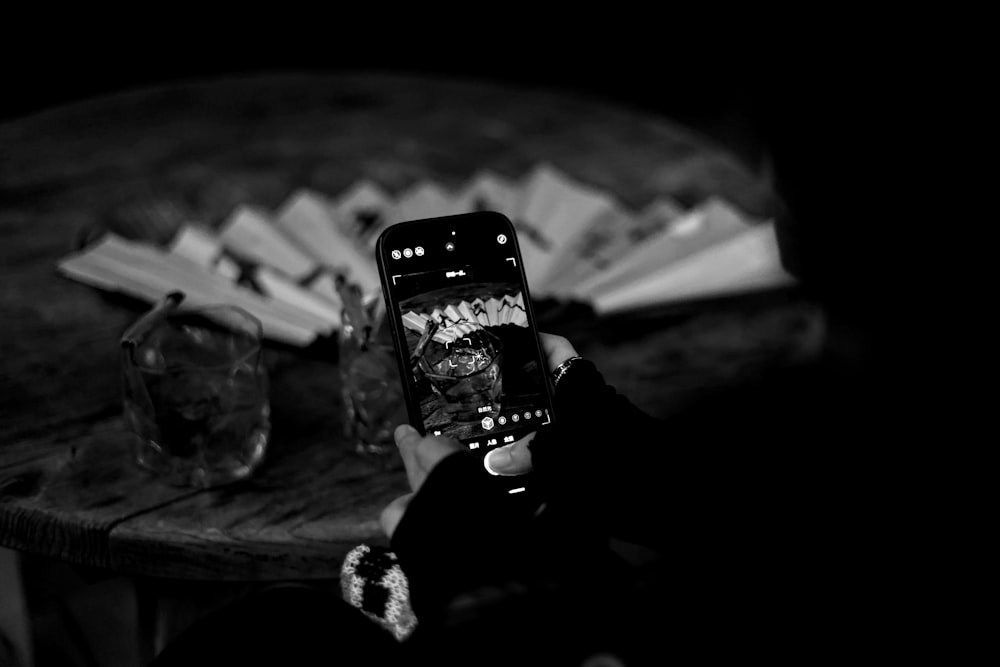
563, 368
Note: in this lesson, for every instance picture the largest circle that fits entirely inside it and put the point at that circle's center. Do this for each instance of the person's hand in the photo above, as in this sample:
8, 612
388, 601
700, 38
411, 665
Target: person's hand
420, 454
515, 458
557, 349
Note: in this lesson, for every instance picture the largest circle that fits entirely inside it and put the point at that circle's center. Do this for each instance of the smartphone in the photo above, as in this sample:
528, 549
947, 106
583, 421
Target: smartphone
470, 359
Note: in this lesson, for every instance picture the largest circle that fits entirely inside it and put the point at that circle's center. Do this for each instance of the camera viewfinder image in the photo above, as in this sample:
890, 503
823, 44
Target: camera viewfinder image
473, 360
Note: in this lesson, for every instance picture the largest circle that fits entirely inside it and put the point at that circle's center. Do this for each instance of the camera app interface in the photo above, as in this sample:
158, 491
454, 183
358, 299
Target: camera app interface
473, 357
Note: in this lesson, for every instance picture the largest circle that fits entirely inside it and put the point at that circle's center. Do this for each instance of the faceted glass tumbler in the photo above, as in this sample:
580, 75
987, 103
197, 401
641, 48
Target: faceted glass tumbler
372, 393
196, 394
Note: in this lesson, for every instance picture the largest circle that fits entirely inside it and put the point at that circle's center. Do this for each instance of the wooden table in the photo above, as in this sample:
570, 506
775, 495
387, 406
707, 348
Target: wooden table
68, 488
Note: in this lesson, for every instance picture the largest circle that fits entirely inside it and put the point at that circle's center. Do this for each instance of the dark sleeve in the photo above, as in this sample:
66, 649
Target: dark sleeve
719, 468
456, 536
463, 545
602, 459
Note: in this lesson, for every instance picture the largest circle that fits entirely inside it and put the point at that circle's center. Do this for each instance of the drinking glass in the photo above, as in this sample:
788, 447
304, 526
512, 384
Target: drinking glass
371, 389
467, 375
195, 393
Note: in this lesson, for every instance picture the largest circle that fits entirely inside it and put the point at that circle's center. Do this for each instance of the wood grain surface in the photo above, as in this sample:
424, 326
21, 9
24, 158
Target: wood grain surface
68, 488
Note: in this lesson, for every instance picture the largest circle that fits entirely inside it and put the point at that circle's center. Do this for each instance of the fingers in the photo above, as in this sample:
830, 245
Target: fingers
512, 459
393, 513
557, 349
407, 439
420, 454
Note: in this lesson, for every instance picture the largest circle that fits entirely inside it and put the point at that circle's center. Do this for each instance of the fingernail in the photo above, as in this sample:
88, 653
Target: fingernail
403, 430
497, 460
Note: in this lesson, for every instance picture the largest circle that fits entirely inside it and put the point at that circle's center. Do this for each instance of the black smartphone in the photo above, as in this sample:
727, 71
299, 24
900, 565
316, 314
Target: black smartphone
471, 362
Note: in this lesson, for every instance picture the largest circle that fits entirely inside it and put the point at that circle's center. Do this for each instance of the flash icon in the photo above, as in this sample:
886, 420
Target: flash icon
501, 239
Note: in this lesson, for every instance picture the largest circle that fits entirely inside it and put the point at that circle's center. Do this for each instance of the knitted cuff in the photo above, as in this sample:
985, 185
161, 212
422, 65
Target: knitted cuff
372, 581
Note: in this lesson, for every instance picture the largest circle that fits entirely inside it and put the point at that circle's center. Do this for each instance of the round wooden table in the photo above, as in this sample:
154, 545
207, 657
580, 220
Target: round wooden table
68, 487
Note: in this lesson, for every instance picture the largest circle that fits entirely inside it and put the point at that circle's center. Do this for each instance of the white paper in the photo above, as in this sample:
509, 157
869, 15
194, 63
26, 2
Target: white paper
580, 258
148, 273
560, 209
453, 314
479, 310
282, 289
608, 239
305, 218
203, 248
714, 221
465, 308
748, 261
488, 191
493, 311
425, 199
535, 257
206, 250
362, 211
415, 321
250, 233
145, 260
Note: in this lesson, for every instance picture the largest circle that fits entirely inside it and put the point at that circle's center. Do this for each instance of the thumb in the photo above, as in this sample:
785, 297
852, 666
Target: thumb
512, 459
406, 436
393, 513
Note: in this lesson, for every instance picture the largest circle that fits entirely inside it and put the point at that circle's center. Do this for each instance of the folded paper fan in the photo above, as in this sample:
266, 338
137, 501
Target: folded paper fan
488, 191
579, 256
609, 240
143, 271
305, 218
362, 212
250, 233
712, 222
459, 319
423, 200
745, 262
577, 242
560, 211
479, 309
512, 310
203, 248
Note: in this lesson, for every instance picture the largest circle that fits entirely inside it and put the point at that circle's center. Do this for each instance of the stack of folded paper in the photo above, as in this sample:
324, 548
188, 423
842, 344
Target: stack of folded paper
578, 243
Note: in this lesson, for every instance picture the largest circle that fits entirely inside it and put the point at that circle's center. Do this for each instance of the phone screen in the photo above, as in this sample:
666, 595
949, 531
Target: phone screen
464, 329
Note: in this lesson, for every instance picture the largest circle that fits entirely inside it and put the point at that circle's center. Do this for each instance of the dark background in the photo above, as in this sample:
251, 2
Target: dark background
714, 81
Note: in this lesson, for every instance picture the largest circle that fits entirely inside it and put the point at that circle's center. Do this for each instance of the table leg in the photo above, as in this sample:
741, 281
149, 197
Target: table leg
15, 629
149, 638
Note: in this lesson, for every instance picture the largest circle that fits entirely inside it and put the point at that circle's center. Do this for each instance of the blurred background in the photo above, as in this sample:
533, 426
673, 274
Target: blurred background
714, 80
